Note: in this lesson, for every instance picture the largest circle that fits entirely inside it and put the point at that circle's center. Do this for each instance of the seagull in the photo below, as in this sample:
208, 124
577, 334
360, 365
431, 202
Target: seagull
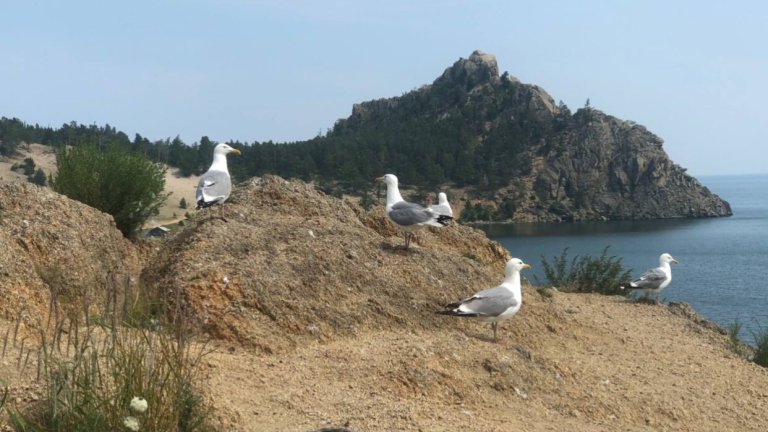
408, 216
494, 304
215, 185
442, 207
655, 280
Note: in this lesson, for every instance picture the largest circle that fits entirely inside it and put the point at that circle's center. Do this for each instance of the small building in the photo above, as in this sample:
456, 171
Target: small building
158, 231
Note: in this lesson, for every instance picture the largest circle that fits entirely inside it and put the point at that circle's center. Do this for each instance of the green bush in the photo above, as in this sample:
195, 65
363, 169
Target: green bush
38, 178
126, 185
603, 274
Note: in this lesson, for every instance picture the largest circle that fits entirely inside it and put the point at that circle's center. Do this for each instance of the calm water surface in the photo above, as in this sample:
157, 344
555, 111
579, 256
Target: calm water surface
723, 261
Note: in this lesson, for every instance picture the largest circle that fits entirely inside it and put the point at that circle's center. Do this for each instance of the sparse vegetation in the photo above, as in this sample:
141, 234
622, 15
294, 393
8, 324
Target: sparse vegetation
126, 185
734, 343
603, 274
761, 347
99, 374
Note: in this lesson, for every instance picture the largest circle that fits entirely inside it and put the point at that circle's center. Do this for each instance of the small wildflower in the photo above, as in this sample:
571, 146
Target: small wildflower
139, 404
131, 423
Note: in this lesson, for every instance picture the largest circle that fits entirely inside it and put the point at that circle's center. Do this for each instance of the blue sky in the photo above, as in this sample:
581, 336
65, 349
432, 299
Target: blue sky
693, 72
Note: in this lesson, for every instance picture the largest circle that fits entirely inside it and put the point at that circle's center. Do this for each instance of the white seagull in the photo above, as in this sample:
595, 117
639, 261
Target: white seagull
442, 207
494, 304
408, 216
655, 280
215, 185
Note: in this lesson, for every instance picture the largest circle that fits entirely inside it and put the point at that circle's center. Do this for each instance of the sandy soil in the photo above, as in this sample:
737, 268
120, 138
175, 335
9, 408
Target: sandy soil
605, 365
44, 157
179, 187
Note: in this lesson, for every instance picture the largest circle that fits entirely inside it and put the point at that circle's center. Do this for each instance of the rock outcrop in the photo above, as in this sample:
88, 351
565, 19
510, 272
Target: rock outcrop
612, 169
50, 243
553, 165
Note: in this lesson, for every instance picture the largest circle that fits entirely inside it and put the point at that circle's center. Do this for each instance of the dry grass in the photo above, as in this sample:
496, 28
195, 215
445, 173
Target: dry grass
92, 365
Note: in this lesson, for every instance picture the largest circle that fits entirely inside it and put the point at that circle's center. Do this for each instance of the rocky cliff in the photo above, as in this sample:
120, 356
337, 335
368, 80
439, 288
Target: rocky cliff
553, 165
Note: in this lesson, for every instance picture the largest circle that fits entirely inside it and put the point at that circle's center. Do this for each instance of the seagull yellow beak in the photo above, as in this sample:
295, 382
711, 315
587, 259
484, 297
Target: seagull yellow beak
527, 266
379, 179
674, 261
235, 151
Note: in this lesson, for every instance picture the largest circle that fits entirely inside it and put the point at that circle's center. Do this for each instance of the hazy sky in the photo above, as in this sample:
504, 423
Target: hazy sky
693, 72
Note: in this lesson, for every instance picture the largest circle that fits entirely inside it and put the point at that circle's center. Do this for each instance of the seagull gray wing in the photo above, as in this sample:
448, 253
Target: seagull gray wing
407, 214
651, 279
487, 303
214, 187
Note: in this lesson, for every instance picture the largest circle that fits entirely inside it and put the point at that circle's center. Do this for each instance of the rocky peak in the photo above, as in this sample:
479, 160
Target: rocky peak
479, 69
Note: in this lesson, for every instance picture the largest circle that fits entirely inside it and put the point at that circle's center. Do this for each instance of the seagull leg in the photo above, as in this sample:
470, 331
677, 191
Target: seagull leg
495, 326
221, 213
407, 239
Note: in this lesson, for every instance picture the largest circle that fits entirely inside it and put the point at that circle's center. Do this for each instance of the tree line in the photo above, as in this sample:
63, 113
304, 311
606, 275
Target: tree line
427, 137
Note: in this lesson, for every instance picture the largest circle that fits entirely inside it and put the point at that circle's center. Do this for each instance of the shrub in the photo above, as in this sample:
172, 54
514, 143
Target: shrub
603, 274
39, 178
182, 203
126, 185
29, 167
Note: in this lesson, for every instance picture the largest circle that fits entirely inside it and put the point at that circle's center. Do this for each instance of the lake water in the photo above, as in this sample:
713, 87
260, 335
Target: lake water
723, 261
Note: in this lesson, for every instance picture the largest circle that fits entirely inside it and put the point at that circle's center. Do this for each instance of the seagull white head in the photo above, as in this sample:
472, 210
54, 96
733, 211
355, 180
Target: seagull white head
393, 192
224, 149
387, 179
666, 258
220, 157
442, 199
515, 265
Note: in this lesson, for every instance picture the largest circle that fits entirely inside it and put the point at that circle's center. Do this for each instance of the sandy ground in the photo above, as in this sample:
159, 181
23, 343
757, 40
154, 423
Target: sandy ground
604, 365
44, 157
607, 365
179, 187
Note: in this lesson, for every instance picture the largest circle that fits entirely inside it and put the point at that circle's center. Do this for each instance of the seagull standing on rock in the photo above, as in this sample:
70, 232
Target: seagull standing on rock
408, 216
442, 207
655, 280
494, 304
215, 185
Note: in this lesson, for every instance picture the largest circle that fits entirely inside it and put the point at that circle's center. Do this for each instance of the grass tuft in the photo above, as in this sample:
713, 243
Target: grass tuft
603, 274
761, 347
93, 367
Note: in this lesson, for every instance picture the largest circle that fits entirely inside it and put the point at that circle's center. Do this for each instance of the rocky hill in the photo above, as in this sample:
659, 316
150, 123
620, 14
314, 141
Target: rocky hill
294, 265
52, 244
319, 319
552, 165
